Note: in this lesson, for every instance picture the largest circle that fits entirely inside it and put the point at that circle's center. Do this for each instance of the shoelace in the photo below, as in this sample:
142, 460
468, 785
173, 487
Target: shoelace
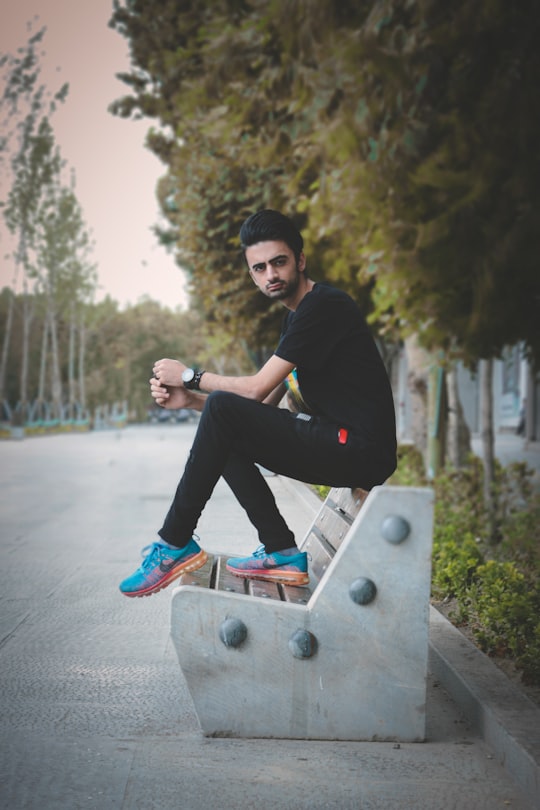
157, 548
260, 551
153, 550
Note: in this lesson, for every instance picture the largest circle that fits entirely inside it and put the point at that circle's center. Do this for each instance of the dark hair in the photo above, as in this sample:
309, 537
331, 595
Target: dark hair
269, 226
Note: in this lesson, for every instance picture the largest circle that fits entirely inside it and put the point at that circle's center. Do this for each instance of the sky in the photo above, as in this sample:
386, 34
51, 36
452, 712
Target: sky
115, 174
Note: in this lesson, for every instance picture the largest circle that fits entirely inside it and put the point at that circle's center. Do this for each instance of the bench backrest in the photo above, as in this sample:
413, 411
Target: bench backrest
332, 523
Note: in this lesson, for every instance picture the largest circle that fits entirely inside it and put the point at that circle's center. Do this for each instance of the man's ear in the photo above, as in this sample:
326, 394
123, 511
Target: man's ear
302, 262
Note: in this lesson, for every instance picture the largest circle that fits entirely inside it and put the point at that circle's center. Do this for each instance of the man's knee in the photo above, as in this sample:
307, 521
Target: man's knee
221, 399
221, 404
234, 409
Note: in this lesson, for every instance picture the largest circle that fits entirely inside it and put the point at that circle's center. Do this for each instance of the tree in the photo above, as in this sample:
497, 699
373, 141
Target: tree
20, 76
389, 122
66, 277
400, 135
122, 347
464, 205
249, 150
116, 348
28, 163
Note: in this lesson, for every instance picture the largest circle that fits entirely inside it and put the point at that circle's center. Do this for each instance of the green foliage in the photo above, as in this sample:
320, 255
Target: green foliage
321, 489
502, 608
410, 470
121, 348
459, 501
402, 136
454, 562
245, 96
496, 589
44, 220
521, 541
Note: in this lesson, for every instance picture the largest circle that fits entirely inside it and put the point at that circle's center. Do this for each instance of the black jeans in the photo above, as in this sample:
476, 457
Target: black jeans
234, 434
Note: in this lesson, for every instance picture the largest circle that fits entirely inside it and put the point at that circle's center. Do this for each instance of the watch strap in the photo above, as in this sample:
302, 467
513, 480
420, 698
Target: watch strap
195, 383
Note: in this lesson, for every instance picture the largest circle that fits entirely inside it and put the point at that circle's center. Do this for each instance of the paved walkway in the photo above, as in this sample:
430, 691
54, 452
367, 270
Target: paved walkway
510, 448
94, 712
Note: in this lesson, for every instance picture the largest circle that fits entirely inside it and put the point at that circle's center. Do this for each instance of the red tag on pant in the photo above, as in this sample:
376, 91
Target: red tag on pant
343, 435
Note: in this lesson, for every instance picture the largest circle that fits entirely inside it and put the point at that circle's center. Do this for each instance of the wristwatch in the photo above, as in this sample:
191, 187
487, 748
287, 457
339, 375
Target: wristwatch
192, 379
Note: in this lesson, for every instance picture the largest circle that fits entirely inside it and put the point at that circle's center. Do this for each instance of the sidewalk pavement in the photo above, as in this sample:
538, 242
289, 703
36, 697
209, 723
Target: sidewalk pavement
510, 448
94, 711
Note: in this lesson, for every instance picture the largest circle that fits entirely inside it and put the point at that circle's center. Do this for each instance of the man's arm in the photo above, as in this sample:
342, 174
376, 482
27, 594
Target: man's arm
275, 396
260, 386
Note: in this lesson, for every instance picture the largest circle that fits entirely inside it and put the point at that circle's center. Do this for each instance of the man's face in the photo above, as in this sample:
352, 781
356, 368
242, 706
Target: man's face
274, 269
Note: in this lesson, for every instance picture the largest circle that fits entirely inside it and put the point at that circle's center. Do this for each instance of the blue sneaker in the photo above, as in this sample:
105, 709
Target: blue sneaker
161, 566
273, 567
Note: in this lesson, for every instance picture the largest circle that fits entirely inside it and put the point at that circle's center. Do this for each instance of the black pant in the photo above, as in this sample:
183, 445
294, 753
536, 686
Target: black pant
234, 434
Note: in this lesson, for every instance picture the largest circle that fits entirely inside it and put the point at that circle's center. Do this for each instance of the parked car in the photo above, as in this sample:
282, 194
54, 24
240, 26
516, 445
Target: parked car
163, 415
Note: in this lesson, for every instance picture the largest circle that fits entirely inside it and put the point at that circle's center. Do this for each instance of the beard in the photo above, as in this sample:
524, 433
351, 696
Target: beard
283, 289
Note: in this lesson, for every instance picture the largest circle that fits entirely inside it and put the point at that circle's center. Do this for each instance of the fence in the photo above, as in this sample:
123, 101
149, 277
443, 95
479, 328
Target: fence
39, 417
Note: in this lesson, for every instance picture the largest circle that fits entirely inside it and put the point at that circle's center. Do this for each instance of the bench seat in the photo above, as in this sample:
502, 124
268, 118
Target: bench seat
321, 543
344, 657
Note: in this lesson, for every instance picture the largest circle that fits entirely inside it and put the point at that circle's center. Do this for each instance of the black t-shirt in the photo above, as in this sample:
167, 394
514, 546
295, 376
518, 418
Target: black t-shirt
341, 374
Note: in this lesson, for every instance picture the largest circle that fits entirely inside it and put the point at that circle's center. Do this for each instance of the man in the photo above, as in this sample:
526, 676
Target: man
344, 435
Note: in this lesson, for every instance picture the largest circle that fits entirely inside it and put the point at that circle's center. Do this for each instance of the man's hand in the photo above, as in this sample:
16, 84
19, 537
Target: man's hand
170, 397
169, 373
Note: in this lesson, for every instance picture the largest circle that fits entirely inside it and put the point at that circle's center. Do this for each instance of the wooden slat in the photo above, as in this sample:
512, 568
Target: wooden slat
319, 557
298, 594
265, 590
200, 577
332, 526
225, 581
348, 501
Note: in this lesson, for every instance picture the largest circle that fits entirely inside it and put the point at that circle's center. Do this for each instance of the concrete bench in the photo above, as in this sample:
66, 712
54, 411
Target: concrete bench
343, 658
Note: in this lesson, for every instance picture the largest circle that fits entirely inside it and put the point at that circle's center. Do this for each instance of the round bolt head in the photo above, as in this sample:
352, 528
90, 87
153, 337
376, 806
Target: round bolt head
303, 644
362, 591
395, 529
233, 632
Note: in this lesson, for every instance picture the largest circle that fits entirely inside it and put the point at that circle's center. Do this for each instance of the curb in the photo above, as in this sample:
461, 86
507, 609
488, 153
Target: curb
505, 719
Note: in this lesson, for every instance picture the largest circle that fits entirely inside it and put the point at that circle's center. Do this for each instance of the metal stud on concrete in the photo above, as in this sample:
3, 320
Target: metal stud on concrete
233, 632
395, 529
303, 644
362, 591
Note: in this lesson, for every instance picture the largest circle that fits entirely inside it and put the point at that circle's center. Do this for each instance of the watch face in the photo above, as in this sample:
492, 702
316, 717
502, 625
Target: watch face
187, 375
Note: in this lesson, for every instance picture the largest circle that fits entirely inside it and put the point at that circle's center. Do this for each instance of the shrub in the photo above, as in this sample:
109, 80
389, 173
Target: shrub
503, 614
455, 559
410, 470
496, 588
521, 539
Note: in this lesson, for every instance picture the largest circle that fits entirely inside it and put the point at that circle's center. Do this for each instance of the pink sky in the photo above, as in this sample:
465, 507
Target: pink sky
115, 174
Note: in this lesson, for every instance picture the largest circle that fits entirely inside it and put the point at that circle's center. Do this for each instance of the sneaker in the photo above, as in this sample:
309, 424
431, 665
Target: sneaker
274, 567
161, 566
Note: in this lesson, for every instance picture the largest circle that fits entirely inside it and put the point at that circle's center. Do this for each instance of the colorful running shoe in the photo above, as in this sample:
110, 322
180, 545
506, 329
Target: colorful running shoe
161, 566
274, 567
